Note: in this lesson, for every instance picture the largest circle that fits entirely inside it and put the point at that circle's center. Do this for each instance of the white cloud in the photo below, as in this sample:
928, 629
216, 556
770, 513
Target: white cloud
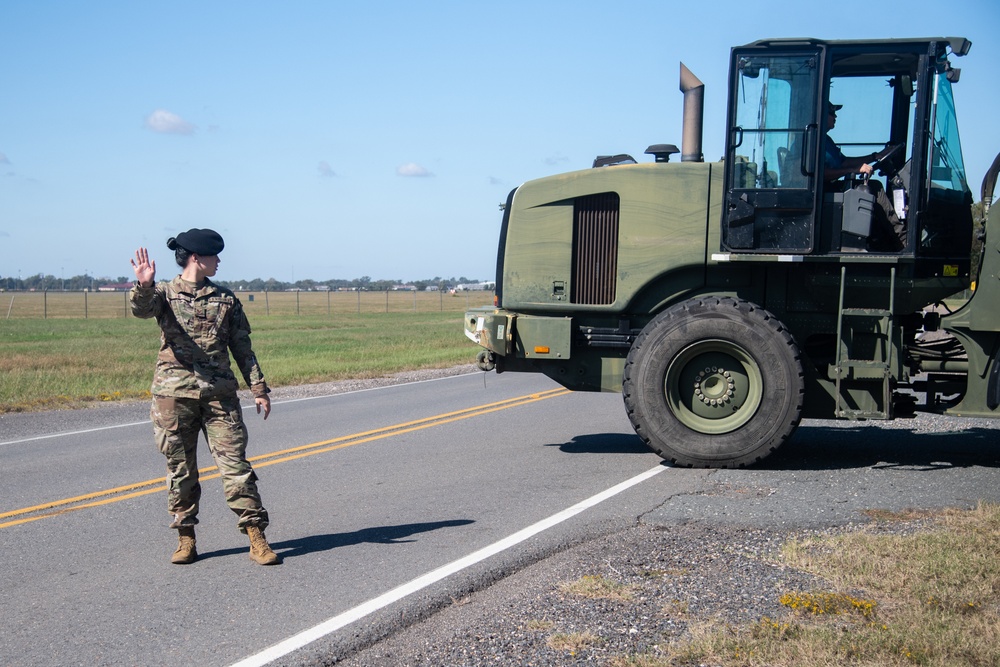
325, 170
412, 169
165, 122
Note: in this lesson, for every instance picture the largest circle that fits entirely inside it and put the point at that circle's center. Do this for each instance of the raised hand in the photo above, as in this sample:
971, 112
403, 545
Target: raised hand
145, 270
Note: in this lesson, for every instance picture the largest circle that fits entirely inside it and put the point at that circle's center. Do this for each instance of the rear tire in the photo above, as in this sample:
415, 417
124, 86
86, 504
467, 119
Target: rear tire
714, 383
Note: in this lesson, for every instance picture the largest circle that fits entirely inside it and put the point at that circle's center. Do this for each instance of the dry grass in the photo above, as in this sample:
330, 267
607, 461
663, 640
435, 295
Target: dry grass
539, 624
597, 587
928, 596
572, 642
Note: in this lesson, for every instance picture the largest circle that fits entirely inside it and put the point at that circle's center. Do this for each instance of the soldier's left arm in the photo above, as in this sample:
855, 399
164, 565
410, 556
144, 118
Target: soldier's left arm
243, 354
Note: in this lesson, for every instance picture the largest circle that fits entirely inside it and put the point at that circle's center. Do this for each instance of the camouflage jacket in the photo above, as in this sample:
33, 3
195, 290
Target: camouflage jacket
199, 328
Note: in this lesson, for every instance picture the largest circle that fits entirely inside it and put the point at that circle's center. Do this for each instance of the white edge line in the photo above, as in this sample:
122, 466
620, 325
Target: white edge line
67, 433
245, 407
331, 625
385, 386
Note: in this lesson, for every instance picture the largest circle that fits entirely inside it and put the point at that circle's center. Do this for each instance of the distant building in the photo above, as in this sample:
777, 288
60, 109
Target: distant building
115, 287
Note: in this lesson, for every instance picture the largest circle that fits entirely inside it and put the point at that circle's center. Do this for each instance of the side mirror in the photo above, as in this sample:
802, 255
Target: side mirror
906, 86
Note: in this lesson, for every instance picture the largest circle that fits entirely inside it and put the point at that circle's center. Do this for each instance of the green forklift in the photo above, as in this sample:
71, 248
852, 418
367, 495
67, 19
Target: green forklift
830, 266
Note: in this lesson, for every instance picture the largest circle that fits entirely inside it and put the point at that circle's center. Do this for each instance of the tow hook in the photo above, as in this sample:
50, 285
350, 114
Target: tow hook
486, 361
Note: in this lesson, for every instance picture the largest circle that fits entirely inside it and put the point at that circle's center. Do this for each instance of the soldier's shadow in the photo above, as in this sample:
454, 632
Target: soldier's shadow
315, 543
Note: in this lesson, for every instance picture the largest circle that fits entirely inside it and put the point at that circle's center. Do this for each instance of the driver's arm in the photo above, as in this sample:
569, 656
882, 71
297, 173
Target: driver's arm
855, 165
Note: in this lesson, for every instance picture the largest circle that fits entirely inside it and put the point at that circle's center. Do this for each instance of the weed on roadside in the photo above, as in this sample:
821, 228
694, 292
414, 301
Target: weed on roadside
598, 587
572, 642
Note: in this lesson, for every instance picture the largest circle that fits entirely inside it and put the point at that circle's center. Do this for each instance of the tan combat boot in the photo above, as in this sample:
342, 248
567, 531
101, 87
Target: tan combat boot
260, 550
186, 553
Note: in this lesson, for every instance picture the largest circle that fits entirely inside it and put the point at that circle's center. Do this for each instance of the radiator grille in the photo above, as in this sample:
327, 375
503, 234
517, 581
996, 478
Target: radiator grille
595, 249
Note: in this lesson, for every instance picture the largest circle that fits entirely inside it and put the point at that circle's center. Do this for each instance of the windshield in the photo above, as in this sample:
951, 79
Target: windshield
947, 170
864, 124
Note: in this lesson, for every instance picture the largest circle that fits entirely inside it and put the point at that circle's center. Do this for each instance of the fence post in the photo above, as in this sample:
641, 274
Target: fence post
45, 304
387, 301
84, 304
297, 302
267, 304
328, 304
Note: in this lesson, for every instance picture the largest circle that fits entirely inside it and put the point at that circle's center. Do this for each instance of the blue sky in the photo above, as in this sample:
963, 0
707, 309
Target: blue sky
337, 140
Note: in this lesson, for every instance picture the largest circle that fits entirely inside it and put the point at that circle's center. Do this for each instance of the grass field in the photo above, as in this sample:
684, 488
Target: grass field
68, 362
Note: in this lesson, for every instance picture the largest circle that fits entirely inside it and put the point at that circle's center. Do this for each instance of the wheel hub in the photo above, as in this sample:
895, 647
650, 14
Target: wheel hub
713, 386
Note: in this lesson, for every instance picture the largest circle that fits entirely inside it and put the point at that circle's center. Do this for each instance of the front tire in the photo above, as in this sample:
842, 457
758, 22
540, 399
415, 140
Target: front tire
714, 382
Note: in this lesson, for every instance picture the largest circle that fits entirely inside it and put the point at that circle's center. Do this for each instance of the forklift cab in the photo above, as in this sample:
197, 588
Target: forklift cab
893, 93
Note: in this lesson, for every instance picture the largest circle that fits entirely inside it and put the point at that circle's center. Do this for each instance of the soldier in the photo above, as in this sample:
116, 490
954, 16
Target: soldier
194, 389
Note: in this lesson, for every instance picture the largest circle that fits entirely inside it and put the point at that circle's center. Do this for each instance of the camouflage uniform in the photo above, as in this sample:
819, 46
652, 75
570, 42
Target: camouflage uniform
194, 390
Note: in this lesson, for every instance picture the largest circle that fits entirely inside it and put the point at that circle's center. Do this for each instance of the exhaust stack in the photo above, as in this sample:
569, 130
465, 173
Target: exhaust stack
694, 112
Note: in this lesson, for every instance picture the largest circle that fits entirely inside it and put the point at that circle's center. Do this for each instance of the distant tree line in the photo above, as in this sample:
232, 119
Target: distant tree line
41, 282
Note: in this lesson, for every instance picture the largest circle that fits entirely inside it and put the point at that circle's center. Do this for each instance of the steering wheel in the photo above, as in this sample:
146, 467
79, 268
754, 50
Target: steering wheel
887, 168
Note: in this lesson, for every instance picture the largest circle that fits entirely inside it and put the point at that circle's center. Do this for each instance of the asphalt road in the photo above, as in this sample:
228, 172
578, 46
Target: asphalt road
386, 505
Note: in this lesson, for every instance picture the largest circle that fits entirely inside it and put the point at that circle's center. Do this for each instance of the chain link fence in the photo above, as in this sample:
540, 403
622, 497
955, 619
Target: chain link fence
86, 304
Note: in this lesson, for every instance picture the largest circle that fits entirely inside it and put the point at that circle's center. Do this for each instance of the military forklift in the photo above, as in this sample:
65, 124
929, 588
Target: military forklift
728, 300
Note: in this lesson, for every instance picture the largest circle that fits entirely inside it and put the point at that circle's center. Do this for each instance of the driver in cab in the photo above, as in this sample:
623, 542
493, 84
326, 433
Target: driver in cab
888, 231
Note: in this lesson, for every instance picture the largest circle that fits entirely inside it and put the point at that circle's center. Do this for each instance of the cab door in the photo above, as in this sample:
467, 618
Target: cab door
772, 151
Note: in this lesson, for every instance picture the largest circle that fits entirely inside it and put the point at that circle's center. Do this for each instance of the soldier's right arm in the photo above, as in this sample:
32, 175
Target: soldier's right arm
145, 302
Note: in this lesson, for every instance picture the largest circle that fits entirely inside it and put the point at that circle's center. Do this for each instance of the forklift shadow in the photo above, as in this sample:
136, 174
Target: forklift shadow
603, 443
864, 446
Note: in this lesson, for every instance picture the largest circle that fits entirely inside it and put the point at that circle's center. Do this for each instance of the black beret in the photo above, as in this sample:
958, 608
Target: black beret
198, 241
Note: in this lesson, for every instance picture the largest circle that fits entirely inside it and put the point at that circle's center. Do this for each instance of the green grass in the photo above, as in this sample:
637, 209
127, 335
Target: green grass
53, 363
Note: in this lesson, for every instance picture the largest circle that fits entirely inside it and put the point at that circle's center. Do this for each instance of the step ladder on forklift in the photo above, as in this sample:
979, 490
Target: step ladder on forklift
875, 322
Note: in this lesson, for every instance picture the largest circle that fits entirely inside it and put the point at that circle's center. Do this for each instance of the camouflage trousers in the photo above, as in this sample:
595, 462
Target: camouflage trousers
176, 425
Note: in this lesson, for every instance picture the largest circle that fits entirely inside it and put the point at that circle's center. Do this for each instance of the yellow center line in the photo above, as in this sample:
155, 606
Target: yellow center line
128, 491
